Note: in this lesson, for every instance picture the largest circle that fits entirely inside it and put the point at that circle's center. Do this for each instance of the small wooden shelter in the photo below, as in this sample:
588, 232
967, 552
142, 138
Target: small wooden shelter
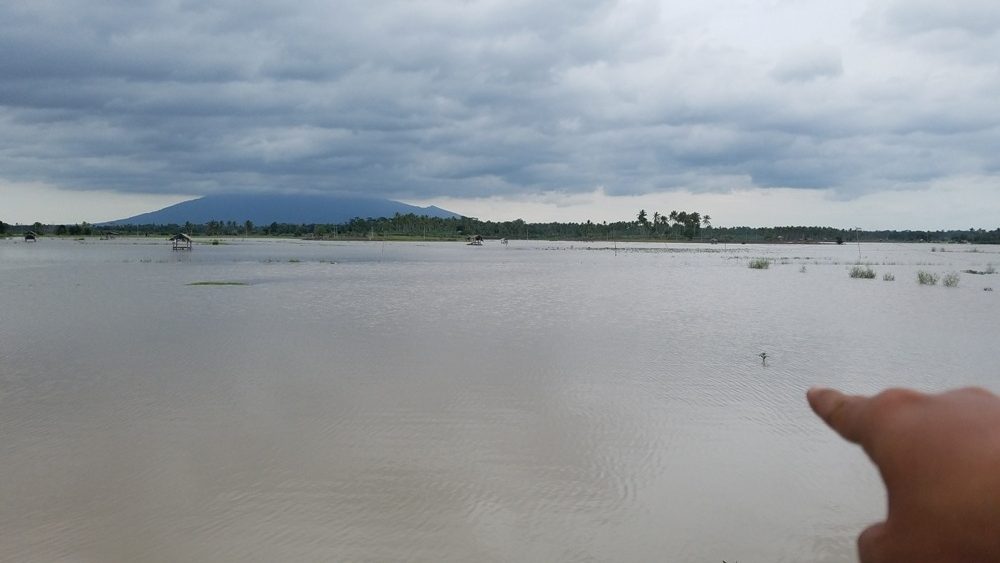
30, 236
181, 241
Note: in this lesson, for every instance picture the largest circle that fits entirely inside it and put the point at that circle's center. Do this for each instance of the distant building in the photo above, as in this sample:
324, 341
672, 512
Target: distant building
181, 241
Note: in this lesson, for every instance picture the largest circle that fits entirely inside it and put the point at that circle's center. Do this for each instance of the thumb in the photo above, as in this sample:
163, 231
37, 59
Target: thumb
873, 544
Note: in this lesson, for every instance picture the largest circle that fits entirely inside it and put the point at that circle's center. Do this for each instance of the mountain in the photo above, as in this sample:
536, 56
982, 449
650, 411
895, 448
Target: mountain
263, 209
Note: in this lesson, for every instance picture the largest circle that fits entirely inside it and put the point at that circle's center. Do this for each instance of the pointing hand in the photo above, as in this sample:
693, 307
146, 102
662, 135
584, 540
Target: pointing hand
939, 456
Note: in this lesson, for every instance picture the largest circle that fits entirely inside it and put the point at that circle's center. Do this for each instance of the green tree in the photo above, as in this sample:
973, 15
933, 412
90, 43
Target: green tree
642, 218
248, 227
681, 219
694, 224
61, 230
37, 227
3, 228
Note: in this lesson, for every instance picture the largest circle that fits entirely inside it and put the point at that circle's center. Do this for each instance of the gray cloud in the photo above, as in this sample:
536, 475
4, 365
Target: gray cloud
976, 17
809, 63
434, 98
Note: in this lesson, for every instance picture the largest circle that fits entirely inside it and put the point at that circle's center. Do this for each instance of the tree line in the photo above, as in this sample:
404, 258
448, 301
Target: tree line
672, 226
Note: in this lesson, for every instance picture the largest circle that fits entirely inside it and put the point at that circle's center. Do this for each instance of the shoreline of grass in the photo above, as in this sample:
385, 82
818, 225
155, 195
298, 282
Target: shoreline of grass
219, 283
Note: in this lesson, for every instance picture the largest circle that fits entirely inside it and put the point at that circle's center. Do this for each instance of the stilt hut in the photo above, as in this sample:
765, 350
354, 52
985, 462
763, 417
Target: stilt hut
181, 241
30, 236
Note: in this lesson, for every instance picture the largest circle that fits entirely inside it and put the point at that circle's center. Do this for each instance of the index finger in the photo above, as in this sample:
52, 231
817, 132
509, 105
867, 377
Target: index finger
846, 414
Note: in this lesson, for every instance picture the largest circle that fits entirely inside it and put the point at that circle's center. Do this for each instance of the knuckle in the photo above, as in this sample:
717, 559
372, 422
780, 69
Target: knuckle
896, 398
889, 404
980, 391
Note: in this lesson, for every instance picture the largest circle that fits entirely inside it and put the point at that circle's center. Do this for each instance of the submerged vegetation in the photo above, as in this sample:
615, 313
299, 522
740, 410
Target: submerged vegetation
950, 279
888, 277
926, 278
862, 272
760, 264
989, 270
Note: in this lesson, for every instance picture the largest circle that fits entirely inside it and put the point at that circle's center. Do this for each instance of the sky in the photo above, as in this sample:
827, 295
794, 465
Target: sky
870, 113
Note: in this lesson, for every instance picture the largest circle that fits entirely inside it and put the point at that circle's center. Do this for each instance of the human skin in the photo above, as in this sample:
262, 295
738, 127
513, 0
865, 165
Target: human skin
939, 456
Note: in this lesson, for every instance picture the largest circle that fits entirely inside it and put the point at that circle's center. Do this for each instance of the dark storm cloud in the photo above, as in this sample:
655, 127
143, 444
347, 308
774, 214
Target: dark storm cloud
434, 98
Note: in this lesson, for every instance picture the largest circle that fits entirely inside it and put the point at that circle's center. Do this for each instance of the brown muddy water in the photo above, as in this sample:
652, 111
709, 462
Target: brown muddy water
438, 402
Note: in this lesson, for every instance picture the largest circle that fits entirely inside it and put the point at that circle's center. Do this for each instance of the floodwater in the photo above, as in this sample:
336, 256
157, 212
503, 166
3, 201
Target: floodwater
435, 402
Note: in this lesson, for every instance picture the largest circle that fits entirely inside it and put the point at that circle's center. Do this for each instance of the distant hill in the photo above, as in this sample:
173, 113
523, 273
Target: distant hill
264, 209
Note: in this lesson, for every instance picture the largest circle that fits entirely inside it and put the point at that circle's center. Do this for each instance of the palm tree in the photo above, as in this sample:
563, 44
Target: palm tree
707, 221
694, 218
672, 217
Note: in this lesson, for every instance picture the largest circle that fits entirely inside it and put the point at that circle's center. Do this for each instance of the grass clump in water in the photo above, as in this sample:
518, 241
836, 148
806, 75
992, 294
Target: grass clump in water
862, 272
926, 278
218, 283
888, 277
950, 279
760, 264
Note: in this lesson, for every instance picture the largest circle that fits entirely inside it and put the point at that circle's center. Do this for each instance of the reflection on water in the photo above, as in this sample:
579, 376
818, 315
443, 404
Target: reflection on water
436, 402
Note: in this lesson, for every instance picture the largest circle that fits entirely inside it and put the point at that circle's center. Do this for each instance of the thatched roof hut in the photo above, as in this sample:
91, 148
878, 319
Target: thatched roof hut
181, 241
30, 236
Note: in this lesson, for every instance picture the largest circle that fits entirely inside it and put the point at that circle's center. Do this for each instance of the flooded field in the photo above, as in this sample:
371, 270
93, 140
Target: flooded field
542, 401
